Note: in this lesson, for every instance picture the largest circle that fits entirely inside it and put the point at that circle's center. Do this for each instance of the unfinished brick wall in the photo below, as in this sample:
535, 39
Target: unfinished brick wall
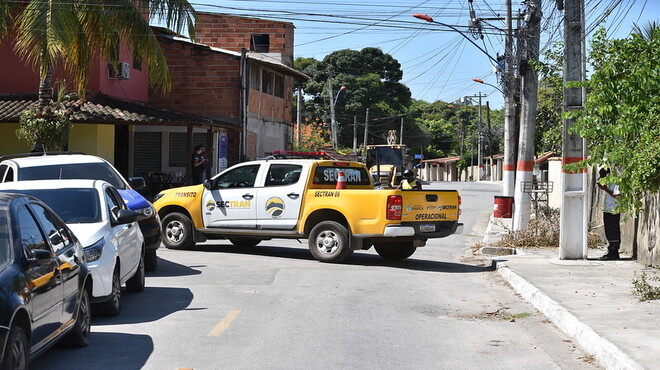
204, 82
234, 33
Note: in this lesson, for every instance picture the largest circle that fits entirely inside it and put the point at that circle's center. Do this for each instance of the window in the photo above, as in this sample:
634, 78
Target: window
267, 82
114, 204
325, 175
3, 170
239, 177
31, 237
260, 42
74, 206
279, 86
56, 231
5, 241
10, 175
283, 174
137, 62
90, 171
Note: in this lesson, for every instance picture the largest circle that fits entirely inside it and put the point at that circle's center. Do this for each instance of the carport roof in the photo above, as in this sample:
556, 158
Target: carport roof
104, 109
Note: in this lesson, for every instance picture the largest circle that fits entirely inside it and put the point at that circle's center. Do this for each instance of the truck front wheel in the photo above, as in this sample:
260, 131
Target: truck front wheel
328, 242
177, 231
394, 251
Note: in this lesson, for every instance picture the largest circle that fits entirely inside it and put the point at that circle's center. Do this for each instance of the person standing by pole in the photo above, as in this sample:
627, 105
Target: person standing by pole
611, 217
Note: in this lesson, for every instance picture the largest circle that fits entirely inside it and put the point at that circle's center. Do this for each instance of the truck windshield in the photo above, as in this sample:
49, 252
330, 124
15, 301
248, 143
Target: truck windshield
88, 171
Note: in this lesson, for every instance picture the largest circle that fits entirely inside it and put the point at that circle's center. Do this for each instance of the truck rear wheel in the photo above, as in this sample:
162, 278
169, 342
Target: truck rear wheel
394, 251
328, 242
177, 231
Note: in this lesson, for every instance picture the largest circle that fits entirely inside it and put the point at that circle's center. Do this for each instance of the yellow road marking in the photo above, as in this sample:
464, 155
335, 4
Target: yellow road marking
224, 323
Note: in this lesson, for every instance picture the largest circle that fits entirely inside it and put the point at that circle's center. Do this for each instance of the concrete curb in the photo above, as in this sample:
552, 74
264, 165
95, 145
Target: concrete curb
609, 355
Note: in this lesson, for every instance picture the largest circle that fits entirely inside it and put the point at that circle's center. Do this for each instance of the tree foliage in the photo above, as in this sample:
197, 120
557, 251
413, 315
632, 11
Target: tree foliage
621, 115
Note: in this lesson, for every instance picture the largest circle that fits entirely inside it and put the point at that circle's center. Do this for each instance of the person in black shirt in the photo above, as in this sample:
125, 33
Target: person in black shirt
199, 164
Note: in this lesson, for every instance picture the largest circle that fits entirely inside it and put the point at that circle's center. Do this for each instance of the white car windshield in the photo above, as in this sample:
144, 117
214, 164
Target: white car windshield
89, 171
74, 206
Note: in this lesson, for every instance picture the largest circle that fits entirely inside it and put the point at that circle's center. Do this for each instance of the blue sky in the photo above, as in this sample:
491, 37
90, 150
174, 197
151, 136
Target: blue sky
438, 63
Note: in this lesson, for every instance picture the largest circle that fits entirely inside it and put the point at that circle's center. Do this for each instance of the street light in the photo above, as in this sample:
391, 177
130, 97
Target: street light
333, 119
486, 83
428, 18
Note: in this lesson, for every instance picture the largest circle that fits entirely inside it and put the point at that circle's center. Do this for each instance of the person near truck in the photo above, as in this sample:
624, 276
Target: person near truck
199, 164
409, 181
611, 218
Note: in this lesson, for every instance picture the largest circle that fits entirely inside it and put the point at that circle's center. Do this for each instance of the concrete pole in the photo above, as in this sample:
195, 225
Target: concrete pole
401, 133
480, 144
333, 120
573, 220
366, 128
355, 135
530, 83
509, 168
299, 118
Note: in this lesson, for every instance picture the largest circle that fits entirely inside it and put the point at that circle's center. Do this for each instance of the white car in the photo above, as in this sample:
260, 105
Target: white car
72, 165
107, 229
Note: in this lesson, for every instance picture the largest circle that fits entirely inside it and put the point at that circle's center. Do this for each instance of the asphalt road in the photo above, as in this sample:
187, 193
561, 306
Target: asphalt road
274, 307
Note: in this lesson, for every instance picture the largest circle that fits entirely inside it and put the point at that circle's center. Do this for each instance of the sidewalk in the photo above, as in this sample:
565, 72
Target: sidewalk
589, 300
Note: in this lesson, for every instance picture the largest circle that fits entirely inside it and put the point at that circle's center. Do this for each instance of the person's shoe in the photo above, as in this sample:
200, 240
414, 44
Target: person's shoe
609, 257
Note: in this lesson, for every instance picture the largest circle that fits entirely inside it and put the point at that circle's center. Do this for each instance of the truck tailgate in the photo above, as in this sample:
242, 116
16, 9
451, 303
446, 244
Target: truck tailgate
430, 205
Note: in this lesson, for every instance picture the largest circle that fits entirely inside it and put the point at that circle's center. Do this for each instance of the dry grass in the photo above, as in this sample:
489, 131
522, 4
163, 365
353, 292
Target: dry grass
542, 232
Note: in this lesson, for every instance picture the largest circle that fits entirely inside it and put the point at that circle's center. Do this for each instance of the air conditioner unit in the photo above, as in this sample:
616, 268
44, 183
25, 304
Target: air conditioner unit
120, 71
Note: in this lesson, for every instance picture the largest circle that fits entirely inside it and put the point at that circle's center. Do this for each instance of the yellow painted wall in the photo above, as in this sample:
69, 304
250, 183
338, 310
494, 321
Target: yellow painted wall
90, 139
9, 143
93, 139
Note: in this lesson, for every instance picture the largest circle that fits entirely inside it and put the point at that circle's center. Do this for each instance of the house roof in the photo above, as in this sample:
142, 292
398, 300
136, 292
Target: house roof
442, 160
262, 58
104, 109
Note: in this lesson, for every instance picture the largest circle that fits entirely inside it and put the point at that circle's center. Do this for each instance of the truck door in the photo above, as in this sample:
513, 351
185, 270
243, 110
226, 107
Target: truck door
279, 201
231, 200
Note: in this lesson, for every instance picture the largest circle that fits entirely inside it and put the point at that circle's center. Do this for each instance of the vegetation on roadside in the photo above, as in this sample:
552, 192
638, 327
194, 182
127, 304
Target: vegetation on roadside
643, 289
542, 232
621, 114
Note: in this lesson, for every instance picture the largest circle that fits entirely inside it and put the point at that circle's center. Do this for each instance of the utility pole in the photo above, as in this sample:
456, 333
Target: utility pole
528, 118
355, 135
333, 120
299, 117
401, 132
573, 220
480, 157
366, 128
509, 167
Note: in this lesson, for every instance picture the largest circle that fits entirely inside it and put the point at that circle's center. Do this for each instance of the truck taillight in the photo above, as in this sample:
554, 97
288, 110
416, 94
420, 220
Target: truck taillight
394, 207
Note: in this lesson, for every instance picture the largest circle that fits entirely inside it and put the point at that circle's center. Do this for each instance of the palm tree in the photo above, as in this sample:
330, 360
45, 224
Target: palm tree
76, 33
648, 32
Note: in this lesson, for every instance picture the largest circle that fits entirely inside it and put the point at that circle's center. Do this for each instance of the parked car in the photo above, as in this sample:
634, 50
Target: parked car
44, 282
107, 229
71, 165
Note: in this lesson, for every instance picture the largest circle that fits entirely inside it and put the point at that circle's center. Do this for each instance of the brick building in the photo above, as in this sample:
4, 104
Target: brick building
237, 71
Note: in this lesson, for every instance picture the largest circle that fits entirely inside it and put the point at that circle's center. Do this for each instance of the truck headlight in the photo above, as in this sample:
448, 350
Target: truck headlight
94, 251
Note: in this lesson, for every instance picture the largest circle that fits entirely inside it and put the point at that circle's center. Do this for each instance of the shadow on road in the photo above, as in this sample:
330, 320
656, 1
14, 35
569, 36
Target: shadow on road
105, 351
150, 305
358, 258
168, 268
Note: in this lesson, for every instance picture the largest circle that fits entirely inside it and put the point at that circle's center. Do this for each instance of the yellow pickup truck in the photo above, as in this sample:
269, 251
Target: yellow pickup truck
299, 199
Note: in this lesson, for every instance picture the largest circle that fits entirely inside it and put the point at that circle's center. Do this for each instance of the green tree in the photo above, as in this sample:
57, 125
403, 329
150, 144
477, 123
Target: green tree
621, 115
372, 80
